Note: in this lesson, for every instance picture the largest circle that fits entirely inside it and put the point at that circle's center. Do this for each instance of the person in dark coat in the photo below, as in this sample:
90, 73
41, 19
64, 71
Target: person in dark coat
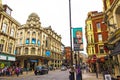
78, 73
71, 76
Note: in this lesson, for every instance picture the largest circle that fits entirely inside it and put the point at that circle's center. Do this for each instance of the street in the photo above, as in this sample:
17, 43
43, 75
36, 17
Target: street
52, 75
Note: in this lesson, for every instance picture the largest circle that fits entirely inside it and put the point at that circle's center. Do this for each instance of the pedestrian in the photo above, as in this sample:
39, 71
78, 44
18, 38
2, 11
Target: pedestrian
118, 77
17, 71
71, 76
78, 73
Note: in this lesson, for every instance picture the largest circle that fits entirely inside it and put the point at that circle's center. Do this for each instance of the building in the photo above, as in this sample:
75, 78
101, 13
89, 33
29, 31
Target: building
8, 36
96, 36
112, 20
37, 45
68, 55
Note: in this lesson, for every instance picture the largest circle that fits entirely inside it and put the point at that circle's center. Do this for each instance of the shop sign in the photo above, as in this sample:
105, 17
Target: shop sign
2, 57
11, 58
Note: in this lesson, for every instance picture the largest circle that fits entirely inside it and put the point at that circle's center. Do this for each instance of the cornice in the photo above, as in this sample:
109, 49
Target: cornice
11, 18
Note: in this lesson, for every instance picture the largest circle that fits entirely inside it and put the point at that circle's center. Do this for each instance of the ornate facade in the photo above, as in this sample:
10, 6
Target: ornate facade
8, 31
37, 45
112, 20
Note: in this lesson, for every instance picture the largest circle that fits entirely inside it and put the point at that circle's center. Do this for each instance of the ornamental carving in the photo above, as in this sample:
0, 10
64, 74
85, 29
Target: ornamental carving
33, 21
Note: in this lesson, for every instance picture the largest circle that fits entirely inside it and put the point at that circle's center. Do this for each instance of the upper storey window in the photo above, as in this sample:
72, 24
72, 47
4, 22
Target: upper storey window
99, 37
33, 41
12, 32
27, 41
4, 27
98, 26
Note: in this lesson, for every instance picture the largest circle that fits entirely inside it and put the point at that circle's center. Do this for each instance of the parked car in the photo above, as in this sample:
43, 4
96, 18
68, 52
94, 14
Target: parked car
39, 70
63, 68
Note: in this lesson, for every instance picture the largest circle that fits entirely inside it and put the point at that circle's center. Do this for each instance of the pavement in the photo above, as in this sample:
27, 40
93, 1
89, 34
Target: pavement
91, 76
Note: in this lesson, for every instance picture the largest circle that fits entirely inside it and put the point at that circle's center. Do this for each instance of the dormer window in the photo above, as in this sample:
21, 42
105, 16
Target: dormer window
7, 9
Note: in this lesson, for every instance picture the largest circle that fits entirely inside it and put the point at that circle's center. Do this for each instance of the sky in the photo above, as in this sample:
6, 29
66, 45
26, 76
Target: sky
55, 13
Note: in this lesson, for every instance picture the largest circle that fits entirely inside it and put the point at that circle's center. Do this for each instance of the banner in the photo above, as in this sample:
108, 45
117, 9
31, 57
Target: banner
77, 39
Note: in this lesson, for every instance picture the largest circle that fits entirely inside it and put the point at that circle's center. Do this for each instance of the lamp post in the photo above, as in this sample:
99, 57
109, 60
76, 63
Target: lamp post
70, 24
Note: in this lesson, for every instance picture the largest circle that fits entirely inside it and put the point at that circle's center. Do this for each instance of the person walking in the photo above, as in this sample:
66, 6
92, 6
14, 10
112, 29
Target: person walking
78, 73
17, 71
71, 76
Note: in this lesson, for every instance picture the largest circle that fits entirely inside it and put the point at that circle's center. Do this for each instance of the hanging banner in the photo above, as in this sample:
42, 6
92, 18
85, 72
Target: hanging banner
77, 39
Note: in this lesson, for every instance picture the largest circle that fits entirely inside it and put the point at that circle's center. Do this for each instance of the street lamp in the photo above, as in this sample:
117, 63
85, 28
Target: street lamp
70, 32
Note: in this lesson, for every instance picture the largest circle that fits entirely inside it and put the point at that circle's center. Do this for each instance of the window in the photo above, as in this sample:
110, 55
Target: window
98, 26
20, 41
4, 27
33, 33
33, 51
28, 32
12, 32
8, 11
9, 47
101, 49
20, 33
27, 41
90, 27
46, 43
99, 37
26, 50
1, 44
33, 41
38, 42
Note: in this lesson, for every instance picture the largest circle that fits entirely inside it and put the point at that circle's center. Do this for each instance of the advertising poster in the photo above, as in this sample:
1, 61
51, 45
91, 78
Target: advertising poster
78, 39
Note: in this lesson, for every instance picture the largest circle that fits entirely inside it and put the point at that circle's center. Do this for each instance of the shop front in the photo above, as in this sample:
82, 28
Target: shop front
6, 60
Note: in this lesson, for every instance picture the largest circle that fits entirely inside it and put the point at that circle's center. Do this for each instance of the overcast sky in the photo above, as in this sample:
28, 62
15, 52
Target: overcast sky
55, 13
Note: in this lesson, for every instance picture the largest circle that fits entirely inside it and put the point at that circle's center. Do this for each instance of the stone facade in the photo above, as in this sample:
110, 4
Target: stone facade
37, 45
112, 20
8, 31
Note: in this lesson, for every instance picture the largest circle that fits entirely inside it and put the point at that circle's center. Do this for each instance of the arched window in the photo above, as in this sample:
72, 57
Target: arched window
27, 41
33, 41
28, 32
4, 27
26, 50
38, 42
33, 51
12, 32
33, 33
